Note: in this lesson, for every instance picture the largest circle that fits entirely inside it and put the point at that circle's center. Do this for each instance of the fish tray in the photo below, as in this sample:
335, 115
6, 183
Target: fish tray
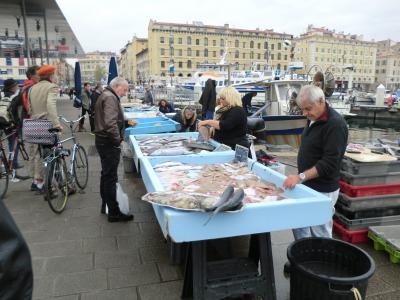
369, 202
387, 238
369, 190
302, 206
365, 168
368, 179
358, 224
220, 149
162, 126
351, 236
374, 212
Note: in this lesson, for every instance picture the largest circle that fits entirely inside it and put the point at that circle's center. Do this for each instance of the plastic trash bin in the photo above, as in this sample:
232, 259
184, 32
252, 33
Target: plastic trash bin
323, 268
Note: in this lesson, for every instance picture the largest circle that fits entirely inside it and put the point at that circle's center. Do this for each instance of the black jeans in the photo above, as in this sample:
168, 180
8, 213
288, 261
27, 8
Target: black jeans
110, 157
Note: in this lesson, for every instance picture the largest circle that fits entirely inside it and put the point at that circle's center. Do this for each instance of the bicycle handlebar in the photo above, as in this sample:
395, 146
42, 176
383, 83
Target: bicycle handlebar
71, 121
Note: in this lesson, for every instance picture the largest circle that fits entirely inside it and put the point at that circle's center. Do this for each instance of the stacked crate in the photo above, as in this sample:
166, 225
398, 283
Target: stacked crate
369, 196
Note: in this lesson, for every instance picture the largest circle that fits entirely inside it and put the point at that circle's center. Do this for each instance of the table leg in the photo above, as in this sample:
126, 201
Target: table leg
267, 264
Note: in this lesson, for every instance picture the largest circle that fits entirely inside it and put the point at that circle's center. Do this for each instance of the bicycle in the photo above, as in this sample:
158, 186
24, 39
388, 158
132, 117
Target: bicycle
60, 180
7, 162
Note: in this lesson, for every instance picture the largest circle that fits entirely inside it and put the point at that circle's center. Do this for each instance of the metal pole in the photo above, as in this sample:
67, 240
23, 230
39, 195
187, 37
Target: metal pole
45, 36
41, 50
23, 11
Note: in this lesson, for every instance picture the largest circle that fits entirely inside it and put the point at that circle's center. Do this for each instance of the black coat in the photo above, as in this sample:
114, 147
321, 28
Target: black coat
16, 276
209, 96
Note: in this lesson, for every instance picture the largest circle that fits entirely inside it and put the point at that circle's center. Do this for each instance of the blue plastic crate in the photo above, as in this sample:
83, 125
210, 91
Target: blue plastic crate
303, 207
159, 126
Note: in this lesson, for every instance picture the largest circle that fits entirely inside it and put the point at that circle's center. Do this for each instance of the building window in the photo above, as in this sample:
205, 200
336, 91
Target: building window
180, 52
171, 50
162, 64
323, 50
258, 45
189, 52
162, 74
221, 52
222, 43
251, 55
162, 40
251, 44
180, 65
214, 43
272, 56
206, 52
265, 45
266, 55
197, 53
188, 40
279, 46
205, 41
236, 43
244, 45
272, 46
237, 54
258, 56
279, 55
189, 64
197, 42
21, 71
214, 53
285, 58
162, 51
180, 41
244, 55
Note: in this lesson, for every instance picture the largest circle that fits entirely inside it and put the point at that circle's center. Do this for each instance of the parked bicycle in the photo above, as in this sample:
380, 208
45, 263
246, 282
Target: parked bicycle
7, 168
60, 180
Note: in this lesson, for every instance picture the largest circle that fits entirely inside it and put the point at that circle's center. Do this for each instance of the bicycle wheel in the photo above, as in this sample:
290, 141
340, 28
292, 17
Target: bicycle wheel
56, 185
81, 167
3, 177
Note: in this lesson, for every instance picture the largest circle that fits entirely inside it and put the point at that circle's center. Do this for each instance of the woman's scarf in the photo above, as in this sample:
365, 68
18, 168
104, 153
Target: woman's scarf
220, 111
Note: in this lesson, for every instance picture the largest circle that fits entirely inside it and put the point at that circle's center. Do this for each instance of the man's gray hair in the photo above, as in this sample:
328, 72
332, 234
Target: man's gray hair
118, 81
310, 92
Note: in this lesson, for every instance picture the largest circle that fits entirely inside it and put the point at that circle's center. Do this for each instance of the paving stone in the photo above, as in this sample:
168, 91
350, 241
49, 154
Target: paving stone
385, 296
282, 237
115, 294
167, 291
71, 283
376, 285
105, 260
390, 274
100, 244
69, 264
150, 254
43, 287
120, 229
38, 266
133, 276
86, 211
140, 240
69, 297
41, 236
169, 272
77, 232
59, 248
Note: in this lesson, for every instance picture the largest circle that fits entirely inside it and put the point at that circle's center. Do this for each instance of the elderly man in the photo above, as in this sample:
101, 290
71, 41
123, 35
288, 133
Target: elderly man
109, 125
42, 105
323, 144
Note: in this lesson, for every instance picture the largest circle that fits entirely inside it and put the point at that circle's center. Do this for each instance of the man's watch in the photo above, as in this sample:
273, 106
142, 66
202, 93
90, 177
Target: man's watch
302, 177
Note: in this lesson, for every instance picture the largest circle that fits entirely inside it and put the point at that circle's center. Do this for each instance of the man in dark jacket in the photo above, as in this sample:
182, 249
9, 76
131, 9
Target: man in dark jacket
109, 126
16, 276
208, 100
323, 144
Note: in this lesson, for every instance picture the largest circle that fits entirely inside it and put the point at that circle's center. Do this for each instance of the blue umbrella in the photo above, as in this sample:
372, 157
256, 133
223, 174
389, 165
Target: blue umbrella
78, 80
112, 70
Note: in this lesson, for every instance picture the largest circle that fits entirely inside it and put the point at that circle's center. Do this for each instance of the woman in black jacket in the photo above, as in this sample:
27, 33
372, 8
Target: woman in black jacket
165, 107
230, 121
187, 118
208, 100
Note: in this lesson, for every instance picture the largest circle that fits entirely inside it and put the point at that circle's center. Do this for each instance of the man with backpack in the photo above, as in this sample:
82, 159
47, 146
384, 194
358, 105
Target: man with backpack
93, 98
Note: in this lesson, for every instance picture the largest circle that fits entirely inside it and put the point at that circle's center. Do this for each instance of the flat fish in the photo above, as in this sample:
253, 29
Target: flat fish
170, 152
181, 200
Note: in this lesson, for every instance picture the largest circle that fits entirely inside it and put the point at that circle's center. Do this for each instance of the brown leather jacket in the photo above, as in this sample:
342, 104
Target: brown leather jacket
109, 118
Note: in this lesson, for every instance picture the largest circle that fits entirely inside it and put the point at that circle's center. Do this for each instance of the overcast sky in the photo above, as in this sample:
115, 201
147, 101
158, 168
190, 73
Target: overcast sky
109, 24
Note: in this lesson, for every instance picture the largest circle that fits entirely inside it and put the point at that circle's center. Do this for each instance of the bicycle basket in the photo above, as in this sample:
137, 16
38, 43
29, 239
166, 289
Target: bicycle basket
36, 131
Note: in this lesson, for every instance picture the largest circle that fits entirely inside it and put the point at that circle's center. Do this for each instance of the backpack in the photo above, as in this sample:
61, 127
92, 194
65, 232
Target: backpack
5, 118
18, 109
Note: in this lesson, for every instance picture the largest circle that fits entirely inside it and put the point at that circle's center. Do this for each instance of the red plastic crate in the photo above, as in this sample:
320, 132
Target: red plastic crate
369, 190
351, 236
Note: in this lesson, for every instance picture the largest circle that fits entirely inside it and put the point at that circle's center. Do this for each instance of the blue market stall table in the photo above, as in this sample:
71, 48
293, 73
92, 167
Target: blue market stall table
215, 280
137, 148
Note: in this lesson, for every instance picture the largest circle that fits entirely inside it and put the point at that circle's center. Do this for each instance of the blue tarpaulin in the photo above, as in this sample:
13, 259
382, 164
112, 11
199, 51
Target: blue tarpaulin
78, 80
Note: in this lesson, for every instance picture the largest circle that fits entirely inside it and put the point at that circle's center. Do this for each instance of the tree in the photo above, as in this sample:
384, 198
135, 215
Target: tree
99, 73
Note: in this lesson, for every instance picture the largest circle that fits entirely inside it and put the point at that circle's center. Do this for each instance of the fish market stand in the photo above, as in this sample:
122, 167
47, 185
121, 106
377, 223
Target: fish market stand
160, 126
138, 154
218, 279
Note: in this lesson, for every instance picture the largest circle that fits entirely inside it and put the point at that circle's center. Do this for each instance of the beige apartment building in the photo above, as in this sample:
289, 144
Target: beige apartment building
345, 55
127, 61
143, 70
94, 66
186, 46
388, 65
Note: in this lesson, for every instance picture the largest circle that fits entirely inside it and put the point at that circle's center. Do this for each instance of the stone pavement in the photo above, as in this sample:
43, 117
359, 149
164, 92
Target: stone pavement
78, 255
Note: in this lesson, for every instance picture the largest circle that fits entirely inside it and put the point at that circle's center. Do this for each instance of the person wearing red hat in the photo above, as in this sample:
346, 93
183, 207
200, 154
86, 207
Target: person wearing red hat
42, 105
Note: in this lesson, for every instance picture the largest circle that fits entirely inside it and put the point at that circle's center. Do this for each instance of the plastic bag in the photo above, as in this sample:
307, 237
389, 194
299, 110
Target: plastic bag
122, 200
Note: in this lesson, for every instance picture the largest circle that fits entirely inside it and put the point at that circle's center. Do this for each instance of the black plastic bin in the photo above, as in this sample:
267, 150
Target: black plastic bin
323, 268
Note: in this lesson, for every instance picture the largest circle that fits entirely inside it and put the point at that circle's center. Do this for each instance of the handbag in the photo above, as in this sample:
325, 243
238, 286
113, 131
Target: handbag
77, 102
36, 131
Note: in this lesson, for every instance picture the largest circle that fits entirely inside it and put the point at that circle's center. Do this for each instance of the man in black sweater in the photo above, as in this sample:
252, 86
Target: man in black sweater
323, 144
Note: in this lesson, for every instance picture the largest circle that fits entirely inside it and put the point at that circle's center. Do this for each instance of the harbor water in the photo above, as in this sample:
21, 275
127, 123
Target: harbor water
361, 131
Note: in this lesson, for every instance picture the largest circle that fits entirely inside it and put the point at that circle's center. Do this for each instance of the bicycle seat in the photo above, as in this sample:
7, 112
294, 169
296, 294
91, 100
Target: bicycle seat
54, 130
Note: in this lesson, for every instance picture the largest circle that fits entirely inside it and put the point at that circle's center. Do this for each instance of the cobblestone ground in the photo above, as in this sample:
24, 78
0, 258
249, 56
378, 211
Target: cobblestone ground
79, 255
